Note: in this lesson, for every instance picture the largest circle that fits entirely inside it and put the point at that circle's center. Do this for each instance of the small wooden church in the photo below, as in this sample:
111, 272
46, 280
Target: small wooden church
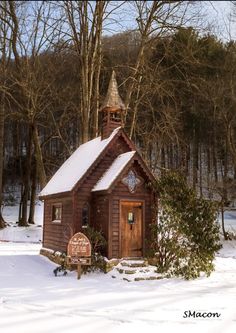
103, 184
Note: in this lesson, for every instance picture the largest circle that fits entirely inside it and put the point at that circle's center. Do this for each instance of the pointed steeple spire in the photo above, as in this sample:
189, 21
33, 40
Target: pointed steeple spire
111, 109
113, 100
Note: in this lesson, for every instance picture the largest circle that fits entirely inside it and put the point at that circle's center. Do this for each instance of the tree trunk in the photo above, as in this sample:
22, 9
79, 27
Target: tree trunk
163, 157
208, 170
33, 196
200, 169
135, 109
39, 158
20, 205
214, 154
26, 180
231, 142
225, 234
97, 96
2, 222
195, 159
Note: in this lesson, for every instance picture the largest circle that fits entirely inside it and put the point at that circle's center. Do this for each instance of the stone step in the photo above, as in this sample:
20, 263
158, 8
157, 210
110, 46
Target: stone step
133, 258
135, 270
125, 279
134, 263
126, 271
148, 278
132, 270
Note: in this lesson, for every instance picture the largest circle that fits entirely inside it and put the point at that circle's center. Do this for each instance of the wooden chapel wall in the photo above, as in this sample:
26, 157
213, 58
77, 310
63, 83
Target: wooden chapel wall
121, 192
56, 235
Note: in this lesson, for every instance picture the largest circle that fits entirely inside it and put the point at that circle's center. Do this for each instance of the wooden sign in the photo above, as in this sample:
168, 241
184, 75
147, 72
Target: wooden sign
79, 246
79, 251
80, 261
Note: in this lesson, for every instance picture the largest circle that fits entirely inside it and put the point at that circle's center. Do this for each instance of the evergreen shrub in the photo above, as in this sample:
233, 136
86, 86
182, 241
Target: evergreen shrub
186, 236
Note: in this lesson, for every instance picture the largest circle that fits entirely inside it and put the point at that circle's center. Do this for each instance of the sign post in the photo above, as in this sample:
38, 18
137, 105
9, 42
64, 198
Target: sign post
79, 251
79, 271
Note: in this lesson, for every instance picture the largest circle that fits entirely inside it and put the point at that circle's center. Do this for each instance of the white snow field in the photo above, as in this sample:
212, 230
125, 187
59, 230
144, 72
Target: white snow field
12, 232
33, 300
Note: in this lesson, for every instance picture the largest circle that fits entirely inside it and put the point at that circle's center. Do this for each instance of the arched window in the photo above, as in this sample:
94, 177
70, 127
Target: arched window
56, 212
85, 215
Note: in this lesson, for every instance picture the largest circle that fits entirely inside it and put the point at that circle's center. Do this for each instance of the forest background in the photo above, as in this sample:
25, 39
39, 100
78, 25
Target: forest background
176, 76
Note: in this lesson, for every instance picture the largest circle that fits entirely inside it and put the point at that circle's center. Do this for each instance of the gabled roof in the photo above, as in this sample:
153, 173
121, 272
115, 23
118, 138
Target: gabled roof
112, 99
76, 166
114, 171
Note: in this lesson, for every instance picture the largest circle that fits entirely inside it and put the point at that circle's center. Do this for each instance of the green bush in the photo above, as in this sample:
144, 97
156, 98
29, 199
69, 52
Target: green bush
186, 236
98, 243
97, 240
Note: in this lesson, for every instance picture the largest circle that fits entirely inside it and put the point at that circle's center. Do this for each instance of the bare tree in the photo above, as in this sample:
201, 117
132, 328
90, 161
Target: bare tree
85, 20
32, 32
154, 19
5, 48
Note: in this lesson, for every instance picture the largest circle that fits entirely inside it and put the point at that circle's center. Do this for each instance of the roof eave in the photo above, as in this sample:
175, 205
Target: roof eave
54, 195
109, 189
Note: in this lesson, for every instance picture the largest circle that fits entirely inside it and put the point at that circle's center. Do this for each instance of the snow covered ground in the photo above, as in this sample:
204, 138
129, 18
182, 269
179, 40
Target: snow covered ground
31, 234
230, 220
32, 299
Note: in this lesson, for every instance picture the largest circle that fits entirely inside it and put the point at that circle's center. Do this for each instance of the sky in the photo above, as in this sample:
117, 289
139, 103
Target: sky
215, 18
220, 14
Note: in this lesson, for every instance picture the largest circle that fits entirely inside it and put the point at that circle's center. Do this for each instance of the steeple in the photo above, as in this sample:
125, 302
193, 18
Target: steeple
112, 108
113, 99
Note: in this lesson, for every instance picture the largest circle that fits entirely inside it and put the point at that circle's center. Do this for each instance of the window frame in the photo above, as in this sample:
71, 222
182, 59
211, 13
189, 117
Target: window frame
56, 205
86, 204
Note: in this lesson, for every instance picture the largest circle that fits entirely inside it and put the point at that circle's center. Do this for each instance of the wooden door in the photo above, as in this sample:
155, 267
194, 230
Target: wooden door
131, 223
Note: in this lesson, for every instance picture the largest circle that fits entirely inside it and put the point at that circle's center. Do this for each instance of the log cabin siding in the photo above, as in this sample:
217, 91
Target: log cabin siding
100, 217
57, 234
100, 214
84, 194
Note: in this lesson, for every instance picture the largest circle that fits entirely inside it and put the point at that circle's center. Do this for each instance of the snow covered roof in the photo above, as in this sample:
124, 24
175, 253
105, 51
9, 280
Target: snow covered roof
113, 172
74, 168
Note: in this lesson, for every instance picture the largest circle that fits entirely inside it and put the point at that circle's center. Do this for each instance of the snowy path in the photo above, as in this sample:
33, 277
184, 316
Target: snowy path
33, 300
